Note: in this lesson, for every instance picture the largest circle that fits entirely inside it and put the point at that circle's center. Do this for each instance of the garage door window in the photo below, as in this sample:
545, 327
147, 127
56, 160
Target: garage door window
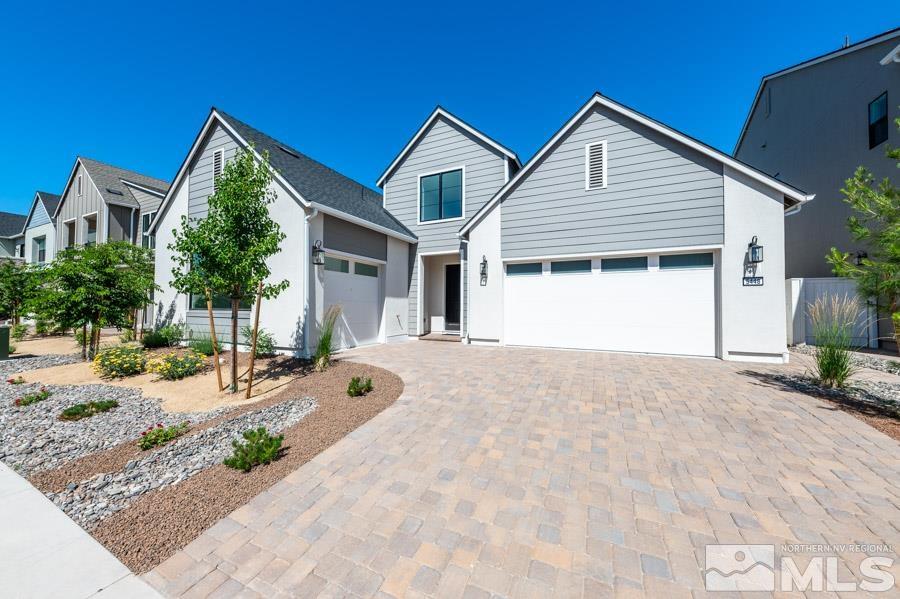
635, 263
677, 261
336, 264
525, 268
570, 266
366, 270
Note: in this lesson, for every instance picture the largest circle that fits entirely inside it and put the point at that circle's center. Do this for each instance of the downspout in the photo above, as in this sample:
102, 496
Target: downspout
131, 227
307, 256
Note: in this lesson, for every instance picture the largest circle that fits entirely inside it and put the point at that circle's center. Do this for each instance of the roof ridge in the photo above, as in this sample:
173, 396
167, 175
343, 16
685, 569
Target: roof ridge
121, 168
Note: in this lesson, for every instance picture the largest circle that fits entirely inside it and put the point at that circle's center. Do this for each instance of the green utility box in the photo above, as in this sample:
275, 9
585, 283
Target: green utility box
4, 343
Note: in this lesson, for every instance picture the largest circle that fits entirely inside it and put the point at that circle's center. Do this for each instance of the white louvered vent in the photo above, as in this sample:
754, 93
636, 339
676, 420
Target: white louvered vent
595, 165
218, 164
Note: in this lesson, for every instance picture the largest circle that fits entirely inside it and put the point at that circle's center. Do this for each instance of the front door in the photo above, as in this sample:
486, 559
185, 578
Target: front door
451, 297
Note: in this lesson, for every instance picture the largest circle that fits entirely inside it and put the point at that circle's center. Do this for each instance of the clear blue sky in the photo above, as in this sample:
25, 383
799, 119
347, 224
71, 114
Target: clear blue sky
130, 83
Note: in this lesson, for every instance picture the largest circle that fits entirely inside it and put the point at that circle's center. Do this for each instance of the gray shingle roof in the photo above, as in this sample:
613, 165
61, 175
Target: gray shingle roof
50, 201
318, 183
11, 224
108, 180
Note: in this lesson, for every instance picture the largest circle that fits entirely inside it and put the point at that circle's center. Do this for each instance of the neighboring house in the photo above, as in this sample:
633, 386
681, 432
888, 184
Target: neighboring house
40, 229
12, 240
365, 248
102, 203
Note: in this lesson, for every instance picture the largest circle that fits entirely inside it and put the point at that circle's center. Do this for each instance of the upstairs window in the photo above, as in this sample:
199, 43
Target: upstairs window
878, 120
79, 185
70, 234
90, 229
218, 166
441, 196
147, 240
595, 165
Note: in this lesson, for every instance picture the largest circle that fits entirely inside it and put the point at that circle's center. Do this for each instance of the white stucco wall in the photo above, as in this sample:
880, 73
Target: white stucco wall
486, 302
396, 290
49, 233
753, 319
166, 297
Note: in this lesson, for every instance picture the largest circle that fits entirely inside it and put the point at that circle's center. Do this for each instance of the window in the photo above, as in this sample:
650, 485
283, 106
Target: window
570, 266
878, 121
337, 264
20, 250
441, 196
523, 268
218, 165
768, 101
219, 302
147, 240
623, 264
90, 228
79, 185
40, 250
70, 234
675, 261
366, 270
595, 165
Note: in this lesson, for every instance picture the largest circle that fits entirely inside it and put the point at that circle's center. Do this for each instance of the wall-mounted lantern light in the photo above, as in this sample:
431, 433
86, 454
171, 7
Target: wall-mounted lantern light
318, 254
860, 256
755, 252
483, 271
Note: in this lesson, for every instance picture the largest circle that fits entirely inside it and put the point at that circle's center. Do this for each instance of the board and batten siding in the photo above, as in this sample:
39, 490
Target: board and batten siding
120, 229
75, 206
443, 147
659, 194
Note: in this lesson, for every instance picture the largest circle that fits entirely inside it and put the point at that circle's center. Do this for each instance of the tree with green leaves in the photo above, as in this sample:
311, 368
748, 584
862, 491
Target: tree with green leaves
877, 224
17, 282
226, 252
95, 286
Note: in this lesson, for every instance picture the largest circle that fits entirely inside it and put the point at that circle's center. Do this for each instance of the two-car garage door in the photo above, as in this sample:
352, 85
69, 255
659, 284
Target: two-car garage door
652, 304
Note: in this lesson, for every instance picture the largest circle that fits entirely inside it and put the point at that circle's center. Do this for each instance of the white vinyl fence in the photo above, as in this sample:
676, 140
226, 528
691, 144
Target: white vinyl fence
799, 293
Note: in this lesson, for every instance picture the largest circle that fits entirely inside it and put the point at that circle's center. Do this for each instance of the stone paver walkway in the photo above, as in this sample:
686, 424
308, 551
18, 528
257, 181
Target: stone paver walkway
532, 473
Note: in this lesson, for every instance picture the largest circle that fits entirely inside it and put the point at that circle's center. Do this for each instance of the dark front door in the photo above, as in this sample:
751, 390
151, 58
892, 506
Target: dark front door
451, 297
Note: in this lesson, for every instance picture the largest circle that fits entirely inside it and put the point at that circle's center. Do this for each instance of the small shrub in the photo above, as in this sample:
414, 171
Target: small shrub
86, 410
16, 380
119, 361
265, 342
325, 345
19, 331
79, 336
12, 349
260, 448
42, 327
127, 336
174, 367
204, 345
833, 319
153, 339
30, 398
160, 435
359, 387
165, 336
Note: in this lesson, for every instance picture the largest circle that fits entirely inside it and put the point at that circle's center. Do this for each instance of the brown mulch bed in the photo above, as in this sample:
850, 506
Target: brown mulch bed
160, 523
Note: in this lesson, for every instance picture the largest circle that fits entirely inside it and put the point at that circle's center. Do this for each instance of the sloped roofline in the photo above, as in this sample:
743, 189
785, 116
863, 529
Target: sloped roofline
598, 99
440, 112
62, 196
37, 198
216, 117
871, 41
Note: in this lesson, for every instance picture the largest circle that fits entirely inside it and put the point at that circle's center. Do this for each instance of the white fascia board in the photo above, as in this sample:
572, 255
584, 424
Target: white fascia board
438, 113
362, 222
892, 56
599, 100
31, 213
155, 192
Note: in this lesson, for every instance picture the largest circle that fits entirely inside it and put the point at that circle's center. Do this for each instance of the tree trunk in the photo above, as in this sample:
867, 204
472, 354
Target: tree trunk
234, 337
253, 344
84, 341
215, 342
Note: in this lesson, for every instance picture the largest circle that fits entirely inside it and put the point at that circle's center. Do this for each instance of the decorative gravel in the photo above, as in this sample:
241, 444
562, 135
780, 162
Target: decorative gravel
860, 360
92, 500
884, 397
14, 365
32, 438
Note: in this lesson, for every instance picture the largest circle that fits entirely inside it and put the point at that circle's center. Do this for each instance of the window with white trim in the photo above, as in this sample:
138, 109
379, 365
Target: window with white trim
79, 187
147, 240
218, 166
595, 165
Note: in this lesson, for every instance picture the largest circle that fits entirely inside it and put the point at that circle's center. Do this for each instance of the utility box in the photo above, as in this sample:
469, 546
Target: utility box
4, 343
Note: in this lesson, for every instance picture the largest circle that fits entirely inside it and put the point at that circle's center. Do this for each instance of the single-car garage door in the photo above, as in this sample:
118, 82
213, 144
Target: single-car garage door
355, 287
655, 304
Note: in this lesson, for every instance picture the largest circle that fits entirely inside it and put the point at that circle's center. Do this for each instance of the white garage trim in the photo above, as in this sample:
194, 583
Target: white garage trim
666, 250
352, 257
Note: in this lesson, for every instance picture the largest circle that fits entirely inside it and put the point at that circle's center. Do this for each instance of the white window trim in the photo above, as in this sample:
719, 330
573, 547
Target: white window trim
84, 219
419, 221
65, 224
145, 232
587, 165
220, 152
79, 187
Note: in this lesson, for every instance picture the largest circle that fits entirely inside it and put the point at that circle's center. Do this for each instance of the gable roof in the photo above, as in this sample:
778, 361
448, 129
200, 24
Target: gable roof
871, 41
111, 183
50, 202
315, 184
599, 100
440, 112
11, 224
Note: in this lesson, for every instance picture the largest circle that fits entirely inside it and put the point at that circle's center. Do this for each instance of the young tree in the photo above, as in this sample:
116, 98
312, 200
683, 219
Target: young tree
226, 252
17, 283
877, 223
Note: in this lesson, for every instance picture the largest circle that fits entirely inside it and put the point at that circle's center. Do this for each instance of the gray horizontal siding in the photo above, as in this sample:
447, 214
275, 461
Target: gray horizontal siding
659, 194
148, 201
342, 236
198, 322
39, 217
201, 171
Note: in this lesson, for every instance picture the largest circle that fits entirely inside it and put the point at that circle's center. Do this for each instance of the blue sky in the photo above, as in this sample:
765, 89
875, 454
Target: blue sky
131, 83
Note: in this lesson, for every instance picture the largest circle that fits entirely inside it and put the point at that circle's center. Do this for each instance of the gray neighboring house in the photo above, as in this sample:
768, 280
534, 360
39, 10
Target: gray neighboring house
11, 236
40, 229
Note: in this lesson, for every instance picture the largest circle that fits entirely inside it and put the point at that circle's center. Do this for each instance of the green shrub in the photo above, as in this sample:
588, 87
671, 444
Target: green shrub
265, 342
325, 345
86, 410
19, 331
359, 387
260, 448
127, 336
19, 380
174, 367
153, 339
42, 327
204, 345
833, 319
165, 336
160, 435
120, 361
79, 336
30, 398
12, 349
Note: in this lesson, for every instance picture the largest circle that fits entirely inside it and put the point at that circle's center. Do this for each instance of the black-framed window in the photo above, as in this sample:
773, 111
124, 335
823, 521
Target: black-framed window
623, 264
366, 270
337, 264
219, 302
524, 268
440, 196
878, 121
40, 247
676, 261
570, 266
147, 240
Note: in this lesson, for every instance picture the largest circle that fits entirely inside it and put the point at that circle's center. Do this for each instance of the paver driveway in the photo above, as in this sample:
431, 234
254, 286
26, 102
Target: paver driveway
519, 472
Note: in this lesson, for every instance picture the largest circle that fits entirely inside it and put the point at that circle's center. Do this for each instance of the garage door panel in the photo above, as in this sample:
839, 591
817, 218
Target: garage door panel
670, 312
359, 298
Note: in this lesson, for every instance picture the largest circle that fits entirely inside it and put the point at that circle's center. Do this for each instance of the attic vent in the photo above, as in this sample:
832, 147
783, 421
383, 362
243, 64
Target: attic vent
115, 192
595, 165
218, 164
289, 151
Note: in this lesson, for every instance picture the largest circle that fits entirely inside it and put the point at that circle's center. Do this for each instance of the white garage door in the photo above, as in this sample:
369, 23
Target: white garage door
650, 304
355, 286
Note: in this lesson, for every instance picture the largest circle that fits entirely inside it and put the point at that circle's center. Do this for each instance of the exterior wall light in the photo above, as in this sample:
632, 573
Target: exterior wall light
318, 254
483, 271
755, 251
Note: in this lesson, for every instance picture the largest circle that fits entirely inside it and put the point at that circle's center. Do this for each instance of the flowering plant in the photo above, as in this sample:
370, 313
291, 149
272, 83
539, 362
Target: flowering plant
30, 398
119, 361
173, 367
160, 435
16, 381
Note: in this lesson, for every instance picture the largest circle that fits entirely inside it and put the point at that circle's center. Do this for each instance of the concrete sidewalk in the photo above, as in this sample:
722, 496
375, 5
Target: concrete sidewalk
45, 554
